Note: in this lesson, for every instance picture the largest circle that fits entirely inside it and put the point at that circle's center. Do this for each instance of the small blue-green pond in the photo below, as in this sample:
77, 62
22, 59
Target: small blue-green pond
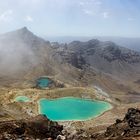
43, 82
22, 99
70, 108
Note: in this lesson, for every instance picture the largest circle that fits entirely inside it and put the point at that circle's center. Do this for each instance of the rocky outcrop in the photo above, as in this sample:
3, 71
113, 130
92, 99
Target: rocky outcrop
126, 129
112, 52
138, 81
39, 127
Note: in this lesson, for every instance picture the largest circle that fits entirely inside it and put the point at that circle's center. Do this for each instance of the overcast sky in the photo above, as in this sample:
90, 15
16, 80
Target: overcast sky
72, 17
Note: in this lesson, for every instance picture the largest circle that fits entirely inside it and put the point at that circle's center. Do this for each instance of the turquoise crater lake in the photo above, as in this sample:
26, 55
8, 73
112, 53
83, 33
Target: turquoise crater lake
43, 82
70, 108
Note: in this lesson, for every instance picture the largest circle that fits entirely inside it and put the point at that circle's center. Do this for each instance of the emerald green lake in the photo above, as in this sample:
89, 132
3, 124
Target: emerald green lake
70, 108
22, 99
43, 82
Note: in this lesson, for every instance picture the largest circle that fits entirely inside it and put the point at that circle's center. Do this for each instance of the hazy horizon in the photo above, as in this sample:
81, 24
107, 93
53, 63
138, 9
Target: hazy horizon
127, 42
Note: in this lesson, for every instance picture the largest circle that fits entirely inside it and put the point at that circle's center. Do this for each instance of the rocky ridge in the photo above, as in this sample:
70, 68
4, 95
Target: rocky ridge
126, 129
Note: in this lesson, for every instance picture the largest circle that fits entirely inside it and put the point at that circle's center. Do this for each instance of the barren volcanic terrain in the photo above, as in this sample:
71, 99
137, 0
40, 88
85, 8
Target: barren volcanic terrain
88, 70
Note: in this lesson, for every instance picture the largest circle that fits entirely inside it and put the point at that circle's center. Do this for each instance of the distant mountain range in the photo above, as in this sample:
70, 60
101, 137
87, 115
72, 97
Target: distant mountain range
25, 57
103, 56
131, 43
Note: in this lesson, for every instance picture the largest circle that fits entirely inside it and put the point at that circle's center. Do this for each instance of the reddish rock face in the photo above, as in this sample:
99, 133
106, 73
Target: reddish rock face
38, 127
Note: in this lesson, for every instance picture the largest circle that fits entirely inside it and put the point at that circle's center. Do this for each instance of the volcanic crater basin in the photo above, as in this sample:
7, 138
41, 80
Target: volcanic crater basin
71, 108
